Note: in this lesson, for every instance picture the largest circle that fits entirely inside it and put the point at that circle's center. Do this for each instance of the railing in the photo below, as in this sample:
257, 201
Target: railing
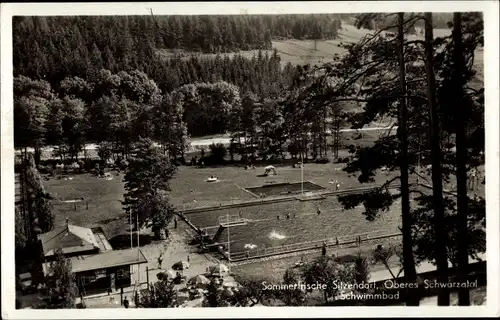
310, 245
233, 220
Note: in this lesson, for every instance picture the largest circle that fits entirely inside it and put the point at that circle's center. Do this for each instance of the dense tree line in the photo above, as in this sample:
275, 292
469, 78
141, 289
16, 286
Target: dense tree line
381, 71
53, 48
34, 215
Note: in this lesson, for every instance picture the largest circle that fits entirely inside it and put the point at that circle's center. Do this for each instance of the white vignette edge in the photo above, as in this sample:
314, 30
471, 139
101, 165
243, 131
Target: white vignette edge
490, 10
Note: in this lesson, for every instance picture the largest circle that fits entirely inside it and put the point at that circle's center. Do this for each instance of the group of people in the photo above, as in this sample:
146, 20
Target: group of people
336, 183
288, 216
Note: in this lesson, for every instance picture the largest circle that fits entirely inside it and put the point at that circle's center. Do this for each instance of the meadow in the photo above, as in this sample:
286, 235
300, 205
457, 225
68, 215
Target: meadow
301, 52
95, 202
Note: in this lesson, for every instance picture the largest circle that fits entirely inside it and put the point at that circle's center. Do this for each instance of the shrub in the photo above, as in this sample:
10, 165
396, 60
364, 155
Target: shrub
217, 153
322, 160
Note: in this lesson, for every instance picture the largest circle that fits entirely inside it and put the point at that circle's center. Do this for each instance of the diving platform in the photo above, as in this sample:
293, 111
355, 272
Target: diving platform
228, 222
232, 221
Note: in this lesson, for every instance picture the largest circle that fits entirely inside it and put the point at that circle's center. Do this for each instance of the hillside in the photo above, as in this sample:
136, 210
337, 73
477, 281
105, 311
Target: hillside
301, 52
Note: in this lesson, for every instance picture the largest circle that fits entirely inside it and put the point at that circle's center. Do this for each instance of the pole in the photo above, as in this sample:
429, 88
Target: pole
302, 175
228, 244
147, 276
130, 223
418, 162
138, 233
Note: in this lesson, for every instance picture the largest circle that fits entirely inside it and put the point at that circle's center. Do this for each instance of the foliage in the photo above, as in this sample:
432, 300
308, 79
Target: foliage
369, 75
424, 231
208, 106
61, 282
295, 296
325, 270
146, 183
31, 108
217, 153
383, 255
20, 232
40, 217
250, 292
104, 151
160, 294
216, 295
361, 269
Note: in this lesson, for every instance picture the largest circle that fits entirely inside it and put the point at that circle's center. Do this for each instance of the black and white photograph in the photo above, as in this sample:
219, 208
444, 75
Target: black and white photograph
260, 158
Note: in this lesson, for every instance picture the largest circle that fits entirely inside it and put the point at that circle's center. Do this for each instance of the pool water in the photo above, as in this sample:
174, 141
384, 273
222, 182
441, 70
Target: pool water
264, 229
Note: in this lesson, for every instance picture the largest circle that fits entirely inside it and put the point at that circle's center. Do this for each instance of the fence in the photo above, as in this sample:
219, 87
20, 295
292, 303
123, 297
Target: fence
310, 245
232, 220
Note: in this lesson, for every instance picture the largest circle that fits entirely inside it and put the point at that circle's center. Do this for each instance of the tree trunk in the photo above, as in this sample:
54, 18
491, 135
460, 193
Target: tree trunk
441, 232
412, 299
461, 154
61, 152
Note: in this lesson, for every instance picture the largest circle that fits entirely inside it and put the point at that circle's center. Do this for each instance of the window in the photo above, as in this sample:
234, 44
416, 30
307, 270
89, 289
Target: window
122, 273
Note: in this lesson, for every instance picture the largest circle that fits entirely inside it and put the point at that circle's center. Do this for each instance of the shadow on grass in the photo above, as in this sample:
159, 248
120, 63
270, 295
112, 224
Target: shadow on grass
122, 241
106, 221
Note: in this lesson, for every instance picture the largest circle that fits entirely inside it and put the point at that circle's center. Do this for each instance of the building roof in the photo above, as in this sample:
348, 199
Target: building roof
109, 259
104, 260
69, 238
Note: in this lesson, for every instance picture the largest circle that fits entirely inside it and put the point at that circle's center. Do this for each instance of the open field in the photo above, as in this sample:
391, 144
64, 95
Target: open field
300, 52
103, 197
190, 188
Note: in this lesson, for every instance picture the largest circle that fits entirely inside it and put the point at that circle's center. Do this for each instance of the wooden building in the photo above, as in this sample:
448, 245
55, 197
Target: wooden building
96, 265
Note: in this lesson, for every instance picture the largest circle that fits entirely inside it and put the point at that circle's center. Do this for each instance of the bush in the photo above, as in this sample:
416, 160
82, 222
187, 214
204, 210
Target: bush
342, 160
181, 161
217, 153
322, 160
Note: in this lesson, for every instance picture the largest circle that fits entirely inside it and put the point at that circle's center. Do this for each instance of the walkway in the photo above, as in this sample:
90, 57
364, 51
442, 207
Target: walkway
174, 249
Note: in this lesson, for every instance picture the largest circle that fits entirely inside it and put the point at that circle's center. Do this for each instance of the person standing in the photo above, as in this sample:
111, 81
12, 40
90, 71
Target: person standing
175, 222
160, 260
323, 249
126, 303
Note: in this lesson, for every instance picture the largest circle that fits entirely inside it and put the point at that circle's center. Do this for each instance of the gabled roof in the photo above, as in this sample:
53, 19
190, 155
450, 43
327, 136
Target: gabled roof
108, 259
69, 238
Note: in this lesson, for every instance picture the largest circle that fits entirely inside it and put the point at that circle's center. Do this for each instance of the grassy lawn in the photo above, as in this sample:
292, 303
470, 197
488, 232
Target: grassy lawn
190, 189
103, 197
